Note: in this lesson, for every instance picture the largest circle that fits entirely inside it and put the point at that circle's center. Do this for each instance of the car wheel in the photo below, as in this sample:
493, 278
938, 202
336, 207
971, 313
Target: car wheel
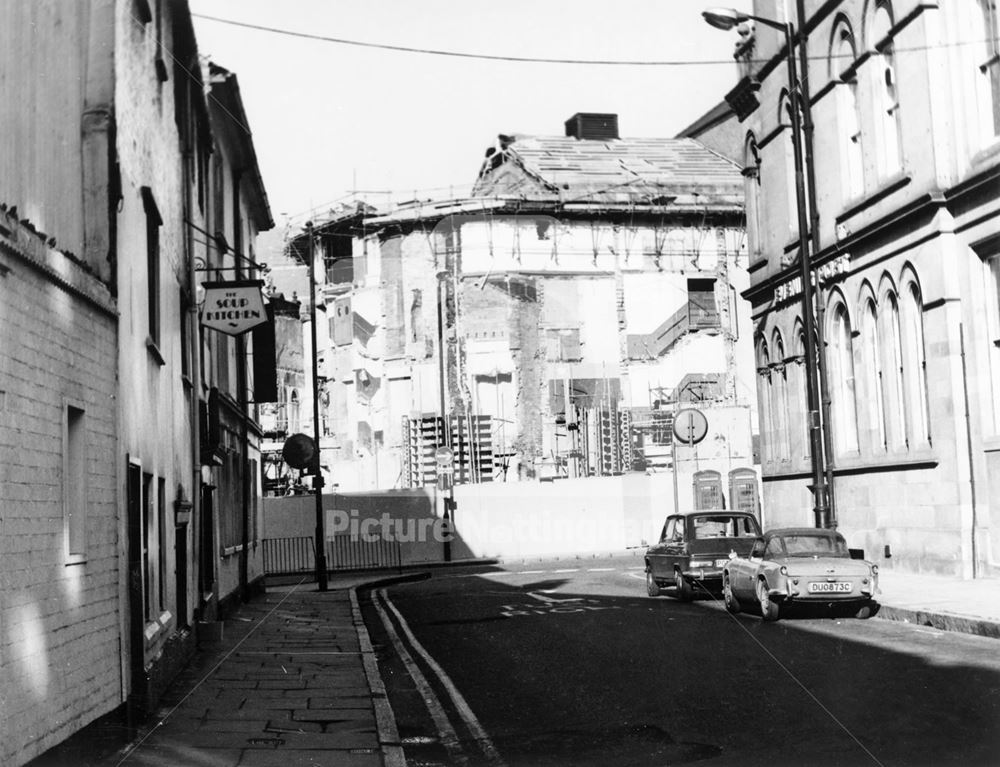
651, 586
865, 611
732, 603
768, 607
683, 589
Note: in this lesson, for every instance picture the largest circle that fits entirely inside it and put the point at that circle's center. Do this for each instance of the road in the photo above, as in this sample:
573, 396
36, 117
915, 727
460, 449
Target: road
570, 663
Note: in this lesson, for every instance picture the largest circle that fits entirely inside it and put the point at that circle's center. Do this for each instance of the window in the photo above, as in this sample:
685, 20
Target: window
915, 363
563, 345
148, 518
751, 185
185, 308
161, 540
873, 376
153, 224
779, 390
800, 386
844, 405
75, 484
977, 30
764, 398
886, 106
892, 373
843, 55
791, 186
293, 413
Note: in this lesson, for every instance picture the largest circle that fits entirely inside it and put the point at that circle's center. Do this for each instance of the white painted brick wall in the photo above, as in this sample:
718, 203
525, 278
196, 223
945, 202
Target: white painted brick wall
59, 624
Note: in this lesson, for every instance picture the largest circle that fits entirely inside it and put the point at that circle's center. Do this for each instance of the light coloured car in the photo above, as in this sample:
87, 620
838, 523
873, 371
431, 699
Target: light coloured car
799, 565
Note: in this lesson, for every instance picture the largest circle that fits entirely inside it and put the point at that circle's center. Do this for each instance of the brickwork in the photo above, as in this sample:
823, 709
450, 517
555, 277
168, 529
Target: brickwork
59, 622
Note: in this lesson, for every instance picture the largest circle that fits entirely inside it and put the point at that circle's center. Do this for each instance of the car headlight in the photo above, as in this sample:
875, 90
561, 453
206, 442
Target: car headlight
702, 563
783, 570
874, 569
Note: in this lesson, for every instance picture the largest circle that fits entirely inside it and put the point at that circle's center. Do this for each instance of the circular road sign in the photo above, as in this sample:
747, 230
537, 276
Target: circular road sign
444, 456
298, 451
690, 426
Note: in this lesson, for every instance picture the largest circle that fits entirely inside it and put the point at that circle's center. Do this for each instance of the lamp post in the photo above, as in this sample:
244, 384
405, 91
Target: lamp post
320, 544
726, 19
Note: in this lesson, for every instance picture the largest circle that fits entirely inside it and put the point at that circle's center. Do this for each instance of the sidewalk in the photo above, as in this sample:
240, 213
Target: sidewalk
293, 682
949, 604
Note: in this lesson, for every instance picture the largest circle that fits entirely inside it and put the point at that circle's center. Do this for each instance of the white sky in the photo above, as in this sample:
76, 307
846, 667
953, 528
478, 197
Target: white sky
325, 116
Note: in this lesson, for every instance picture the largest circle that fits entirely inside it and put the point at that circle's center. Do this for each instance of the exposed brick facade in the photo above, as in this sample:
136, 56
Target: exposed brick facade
59, 613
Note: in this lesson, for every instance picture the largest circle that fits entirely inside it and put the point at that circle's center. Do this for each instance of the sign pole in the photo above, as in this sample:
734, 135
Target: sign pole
318, 476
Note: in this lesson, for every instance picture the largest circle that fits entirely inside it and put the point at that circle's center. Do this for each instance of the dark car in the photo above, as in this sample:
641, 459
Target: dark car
694, 548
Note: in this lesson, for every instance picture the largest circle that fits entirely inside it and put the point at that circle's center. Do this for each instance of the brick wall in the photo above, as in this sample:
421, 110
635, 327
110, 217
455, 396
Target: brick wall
59, 616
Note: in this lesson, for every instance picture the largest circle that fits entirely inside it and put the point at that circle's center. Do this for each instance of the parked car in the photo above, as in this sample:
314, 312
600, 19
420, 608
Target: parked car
799, 565
694, 547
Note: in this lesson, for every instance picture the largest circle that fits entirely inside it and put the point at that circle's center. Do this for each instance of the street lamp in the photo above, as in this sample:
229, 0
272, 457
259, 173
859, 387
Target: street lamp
726, 19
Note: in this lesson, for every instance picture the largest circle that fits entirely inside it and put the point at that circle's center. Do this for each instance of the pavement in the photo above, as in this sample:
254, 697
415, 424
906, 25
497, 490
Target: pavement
294, 680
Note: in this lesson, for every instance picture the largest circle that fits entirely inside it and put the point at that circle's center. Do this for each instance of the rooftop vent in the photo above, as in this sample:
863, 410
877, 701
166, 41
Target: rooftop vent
592, 125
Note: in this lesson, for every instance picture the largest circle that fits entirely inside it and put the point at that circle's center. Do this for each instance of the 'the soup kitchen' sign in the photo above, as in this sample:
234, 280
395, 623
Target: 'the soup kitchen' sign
233, 307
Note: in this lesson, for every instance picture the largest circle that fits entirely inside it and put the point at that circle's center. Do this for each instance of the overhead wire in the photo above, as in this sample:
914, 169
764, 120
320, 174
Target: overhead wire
539, 59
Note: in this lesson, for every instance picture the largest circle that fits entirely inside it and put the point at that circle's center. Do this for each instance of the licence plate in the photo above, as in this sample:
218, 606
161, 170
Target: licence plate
721, 562
836, 587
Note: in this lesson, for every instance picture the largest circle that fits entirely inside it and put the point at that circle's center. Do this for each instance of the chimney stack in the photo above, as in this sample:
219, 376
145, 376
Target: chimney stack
596, 126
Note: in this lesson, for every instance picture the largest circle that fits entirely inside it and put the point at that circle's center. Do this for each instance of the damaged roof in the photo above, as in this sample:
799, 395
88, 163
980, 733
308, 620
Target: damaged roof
612, 170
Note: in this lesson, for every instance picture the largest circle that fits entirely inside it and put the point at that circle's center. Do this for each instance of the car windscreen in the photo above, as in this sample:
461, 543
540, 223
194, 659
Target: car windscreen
806, 545
724, 526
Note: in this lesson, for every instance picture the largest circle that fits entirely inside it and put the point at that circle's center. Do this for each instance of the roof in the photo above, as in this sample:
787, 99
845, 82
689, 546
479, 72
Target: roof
614, 170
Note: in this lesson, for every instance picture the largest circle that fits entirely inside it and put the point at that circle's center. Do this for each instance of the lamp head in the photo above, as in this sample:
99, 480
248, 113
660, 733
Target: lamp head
724, 18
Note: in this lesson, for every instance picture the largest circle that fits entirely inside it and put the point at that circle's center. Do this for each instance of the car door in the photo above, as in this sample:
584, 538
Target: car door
743, 578
657, 553
674, 550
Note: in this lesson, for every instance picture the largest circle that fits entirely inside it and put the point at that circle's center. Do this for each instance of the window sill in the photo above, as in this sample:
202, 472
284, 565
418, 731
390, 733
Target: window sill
75, 559
187, 382
154, 351
903, 461
858, 205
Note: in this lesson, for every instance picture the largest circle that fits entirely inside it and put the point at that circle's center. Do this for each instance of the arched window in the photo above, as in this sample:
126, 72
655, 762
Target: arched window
842, 56
884, 91
978, 29
764, 402
785, 121
892, 372
751, 188
800, 412
915, 367
844, 406
875, 421
779, 388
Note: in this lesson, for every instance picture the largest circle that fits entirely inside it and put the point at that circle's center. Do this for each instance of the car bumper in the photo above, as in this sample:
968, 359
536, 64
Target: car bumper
704, 575
793, 593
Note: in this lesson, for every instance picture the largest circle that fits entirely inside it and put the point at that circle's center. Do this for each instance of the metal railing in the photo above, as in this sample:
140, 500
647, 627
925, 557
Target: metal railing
287, 556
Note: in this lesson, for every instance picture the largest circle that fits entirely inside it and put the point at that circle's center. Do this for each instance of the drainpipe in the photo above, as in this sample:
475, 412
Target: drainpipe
820, 329
968, 436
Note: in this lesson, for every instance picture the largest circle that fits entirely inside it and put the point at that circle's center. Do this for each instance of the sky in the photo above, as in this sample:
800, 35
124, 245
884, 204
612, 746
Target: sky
328, 119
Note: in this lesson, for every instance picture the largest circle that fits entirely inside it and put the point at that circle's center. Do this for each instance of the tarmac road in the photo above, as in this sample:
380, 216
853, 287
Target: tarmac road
570, 663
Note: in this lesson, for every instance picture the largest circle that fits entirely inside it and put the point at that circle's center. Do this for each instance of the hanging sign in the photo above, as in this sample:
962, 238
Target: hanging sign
233, 307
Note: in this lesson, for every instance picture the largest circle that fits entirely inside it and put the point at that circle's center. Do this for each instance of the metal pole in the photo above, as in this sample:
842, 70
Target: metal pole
824, 381
320, 542
446, 436
818, 487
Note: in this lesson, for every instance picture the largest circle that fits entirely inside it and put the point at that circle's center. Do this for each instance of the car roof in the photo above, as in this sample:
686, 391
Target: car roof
814, 531
713, 513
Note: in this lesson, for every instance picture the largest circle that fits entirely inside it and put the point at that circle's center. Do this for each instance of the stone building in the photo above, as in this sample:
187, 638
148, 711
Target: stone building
589, 288
904, 233
114, 172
